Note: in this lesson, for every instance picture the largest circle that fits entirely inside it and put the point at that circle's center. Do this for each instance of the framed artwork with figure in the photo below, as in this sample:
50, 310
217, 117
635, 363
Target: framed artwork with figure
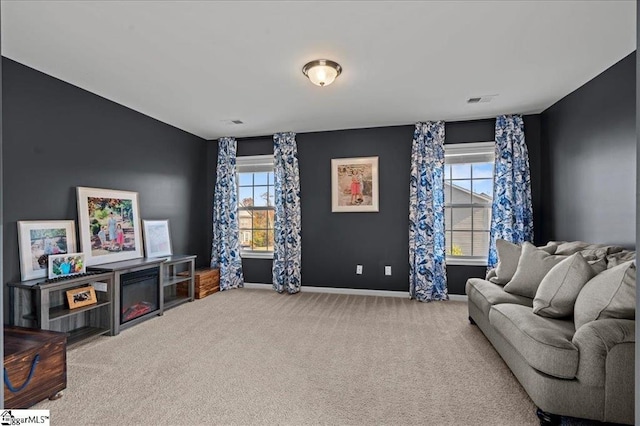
354, 185
37, 240
110, 228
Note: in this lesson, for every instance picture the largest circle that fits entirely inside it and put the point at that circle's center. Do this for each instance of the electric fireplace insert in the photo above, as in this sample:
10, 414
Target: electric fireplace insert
139, 294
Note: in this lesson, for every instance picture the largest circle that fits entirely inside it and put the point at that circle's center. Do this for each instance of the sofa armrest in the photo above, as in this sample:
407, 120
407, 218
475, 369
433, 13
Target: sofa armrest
596, 341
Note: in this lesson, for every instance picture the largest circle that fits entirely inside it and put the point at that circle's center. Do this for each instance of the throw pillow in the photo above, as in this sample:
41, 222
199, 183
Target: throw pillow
594, 254
508, 257
572, 247
598, 265
610, 294
620, 257
533, 265
491, 273
559, 289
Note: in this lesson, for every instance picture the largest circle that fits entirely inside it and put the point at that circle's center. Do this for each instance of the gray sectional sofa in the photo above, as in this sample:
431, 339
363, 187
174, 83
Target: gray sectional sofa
572, 349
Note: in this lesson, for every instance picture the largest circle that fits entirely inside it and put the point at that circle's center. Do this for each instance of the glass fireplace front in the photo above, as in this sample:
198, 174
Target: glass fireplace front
139, 294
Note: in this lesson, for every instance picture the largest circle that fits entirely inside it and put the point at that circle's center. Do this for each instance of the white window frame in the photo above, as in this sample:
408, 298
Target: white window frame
471, 151
254, 164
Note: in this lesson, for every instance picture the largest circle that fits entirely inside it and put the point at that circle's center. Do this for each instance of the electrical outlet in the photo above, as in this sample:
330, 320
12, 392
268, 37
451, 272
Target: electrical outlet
387, 270
359, 269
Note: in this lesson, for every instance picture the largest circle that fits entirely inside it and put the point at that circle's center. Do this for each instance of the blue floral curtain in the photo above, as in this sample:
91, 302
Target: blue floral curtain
512, 212
287, 251
427, 269
225, 251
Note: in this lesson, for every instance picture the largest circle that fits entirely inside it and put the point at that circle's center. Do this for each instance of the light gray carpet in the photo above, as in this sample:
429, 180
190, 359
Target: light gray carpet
252, 356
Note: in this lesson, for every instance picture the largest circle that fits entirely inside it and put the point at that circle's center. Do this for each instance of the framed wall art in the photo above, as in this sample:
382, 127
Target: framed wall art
63, 265
157, 241
37, 240
354, 184
109, 225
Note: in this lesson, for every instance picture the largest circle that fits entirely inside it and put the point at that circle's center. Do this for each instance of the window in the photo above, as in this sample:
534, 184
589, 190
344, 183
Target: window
468, 186
256, 208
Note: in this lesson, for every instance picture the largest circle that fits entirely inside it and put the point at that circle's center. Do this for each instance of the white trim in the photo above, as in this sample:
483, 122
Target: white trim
256, 254
353, 291
451, 260
458, 298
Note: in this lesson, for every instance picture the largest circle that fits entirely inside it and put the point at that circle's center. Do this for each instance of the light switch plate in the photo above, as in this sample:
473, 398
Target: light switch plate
387, 270
359, 269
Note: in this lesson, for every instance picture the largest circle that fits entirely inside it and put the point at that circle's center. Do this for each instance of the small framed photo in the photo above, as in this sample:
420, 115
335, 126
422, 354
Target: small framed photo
109, 223
83, 296
157, 240
62, 265
354, 184
37, 240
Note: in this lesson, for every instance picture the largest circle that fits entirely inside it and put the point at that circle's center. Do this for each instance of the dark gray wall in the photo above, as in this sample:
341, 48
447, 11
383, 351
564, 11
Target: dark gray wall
334, 243
591, 140
57, 137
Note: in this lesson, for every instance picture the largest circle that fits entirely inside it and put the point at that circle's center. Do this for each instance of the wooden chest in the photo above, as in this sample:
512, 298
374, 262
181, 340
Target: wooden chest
207, 281
35, 362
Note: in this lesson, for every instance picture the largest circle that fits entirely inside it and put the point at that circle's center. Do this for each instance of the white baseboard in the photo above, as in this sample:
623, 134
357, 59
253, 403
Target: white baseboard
353, 291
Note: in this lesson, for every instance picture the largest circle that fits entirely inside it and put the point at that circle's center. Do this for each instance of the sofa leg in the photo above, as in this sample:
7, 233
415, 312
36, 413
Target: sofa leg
471, 321
548, 419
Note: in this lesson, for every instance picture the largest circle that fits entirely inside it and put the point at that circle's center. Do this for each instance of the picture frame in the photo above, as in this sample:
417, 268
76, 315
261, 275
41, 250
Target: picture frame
157, 239
64, 265
354, 185
37, 240
82, 296
109, 225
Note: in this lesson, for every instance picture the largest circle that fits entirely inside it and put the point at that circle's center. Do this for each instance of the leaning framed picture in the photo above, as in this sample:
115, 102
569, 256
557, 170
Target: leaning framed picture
354, 184
109, 225
157, 241
82, 296
64, 265
37, 240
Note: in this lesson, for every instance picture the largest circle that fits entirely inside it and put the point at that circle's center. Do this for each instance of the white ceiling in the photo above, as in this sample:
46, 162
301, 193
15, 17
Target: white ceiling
197, 65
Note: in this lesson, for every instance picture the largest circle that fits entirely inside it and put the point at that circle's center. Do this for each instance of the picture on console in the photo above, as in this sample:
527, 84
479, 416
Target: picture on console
109, 225
39, 240
79, 297
66, 264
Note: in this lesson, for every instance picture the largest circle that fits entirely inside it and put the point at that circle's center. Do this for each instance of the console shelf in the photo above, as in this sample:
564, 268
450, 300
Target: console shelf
83, 333
62, 312
38, 304
177, 270
175, 279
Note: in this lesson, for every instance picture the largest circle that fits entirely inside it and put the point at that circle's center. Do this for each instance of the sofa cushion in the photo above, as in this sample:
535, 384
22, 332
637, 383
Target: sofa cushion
559, 289
485, 294
508, 257
545, 343
533, 265
610, 294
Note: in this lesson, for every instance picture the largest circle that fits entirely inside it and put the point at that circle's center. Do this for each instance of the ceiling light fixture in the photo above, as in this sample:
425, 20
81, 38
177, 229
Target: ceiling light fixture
322, 72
